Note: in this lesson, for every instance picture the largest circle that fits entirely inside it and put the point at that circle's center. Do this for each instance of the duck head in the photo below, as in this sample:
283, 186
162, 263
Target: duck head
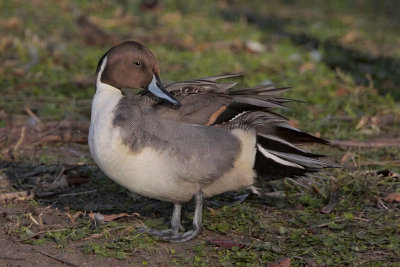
132, 65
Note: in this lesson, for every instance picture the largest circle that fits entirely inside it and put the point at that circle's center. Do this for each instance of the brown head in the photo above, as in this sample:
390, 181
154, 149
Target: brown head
132, 65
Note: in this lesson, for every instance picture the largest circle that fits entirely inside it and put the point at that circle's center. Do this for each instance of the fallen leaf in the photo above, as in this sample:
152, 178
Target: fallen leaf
392, 197
342, 92
378, 121
349, 37
346, 158
76, 215
226, 243
308, 66
285, 262
363, 122
19, 196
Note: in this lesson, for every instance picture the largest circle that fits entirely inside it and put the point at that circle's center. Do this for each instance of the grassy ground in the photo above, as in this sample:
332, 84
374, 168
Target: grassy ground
341, 57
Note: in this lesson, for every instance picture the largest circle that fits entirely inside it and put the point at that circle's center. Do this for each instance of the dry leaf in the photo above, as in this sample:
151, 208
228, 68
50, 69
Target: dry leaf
285, 262
19, 196
308, 66
349, 37
393, 197
211, 211
76, 215
363, 122
346, 158
379, 121
342, 92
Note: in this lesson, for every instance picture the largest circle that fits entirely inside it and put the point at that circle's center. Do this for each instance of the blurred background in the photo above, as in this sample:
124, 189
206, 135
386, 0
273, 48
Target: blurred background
340, 56
342, 59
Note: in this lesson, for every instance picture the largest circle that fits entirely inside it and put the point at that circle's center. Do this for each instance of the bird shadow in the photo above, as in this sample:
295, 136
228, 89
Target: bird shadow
85, 188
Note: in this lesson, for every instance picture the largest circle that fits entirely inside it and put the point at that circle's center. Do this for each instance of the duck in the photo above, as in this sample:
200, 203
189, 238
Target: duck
192, 139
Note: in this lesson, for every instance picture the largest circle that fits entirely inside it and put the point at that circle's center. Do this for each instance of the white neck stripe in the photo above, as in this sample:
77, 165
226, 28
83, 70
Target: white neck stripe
103, 65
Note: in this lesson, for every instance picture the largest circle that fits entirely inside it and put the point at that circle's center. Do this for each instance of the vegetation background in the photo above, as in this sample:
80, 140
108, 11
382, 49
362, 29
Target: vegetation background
341, 57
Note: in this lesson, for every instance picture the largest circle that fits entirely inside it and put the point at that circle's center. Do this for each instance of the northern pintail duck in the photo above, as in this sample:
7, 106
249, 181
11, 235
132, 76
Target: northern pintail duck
196, 138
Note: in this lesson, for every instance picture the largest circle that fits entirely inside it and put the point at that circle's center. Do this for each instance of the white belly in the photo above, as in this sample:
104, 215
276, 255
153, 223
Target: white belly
147, 172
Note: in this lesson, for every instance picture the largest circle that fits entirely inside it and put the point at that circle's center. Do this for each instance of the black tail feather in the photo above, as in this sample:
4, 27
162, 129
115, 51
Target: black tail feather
296, 136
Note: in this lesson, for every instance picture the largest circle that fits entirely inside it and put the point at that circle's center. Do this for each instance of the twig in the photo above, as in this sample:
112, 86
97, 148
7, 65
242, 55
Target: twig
298, 183
381, 204
58, 259
20, 140
33, 219
362, 219
78, 193
33, 115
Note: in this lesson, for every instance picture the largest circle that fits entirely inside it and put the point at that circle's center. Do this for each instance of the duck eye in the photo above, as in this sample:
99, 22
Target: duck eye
138, 63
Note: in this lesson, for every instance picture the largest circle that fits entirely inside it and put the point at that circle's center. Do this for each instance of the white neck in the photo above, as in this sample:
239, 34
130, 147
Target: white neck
103, 87
106, 97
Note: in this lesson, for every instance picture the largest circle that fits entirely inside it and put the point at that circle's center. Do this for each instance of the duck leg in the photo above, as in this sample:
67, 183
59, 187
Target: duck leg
173, 233
197, 222
176, 220
176, 225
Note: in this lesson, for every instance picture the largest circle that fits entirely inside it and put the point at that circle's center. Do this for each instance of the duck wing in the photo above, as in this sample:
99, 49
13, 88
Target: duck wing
206, 101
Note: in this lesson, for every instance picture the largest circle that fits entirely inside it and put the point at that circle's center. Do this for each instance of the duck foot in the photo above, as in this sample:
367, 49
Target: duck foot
173, 234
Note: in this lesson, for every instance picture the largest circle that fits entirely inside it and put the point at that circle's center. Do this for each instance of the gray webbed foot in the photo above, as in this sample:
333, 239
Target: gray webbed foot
174, 234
